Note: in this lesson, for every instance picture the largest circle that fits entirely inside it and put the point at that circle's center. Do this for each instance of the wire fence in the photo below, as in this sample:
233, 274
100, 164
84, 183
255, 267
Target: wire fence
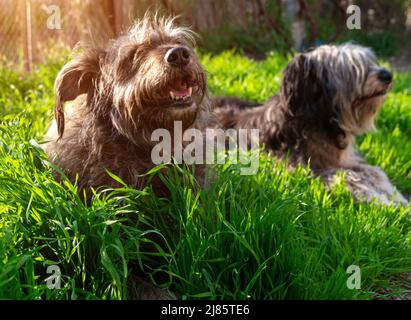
30, 30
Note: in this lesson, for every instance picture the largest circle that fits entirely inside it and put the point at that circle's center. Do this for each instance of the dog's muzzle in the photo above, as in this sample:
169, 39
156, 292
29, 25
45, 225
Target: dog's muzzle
177, 57
385, 76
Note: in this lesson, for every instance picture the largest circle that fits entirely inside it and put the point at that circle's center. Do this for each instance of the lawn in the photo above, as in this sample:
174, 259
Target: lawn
272, 235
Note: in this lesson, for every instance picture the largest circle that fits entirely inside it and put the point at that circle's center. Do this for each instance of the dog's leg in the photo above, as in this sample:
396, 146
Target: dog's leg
382, 184
140, 289
147, 291
356, 184
365, 183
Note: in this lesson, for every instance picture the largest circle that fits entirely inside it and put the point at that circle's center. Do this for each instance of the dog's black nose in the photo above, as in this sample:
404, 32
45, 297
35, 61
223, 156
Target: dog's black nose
178, 57
385, 76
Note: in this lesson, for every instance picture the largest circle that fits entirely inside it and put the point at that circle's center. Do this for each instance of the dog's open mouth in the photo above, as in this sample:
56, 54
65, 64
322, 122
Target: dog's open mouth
181, 94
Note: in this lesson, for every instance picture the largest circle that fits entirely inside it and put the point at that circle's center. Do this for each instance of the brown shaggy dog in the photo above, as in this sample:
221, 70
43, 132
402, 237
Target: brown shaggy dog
144, 80
328, 96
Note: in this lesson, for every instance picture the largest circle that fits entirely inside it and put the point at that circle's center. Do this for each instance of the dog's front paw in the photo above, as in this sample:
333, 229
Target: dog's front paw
399, 199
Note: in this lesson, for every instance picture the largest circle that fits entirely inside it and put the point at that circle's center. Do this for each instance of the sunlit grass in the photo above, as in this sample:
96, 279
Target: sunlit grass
272, 235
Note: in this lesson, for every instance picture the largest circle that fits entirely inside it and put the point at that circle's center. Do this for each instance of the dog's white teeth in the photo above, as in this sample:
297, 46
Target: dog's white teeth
176, 97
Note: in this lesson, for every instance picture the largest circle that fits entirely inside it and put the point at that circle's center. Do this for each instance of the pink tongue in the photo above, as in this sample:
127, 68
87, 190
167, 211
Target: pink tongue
180, 89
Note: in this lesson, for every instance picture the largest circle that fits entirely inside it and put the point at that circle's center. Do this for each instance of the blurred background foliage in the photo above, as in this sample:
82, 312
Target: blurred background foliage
274, 235
254, 27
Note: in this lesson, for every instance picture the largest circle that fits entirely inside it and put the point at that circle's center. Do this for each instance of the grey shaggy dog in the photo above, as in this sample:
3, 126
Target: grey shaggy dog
328, 96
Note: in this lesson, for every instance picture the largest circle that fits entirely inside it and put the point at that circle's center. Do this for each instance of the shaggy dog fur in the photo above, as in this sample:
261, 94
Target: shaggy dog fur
328, 96
144, 80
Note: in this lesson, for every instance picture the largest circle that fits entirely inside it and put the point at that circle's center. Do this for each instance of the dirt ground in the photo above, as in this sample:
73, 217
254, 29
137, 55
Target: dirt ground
402, 289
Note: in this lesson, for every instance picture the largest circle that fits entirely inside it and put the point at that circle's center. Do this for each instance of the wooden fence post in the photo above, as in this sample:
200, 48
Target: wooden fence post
28, 45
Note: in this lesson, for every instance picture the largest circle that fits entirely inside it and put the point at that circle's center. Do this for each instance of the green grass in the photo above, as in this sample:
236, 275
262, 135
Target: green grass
272, 235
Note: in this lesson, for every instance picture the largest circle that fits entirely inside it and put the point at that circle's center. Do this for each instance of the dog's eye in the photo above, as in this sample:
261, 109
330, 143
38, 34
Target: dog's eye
128, 59
128, 53
181, 42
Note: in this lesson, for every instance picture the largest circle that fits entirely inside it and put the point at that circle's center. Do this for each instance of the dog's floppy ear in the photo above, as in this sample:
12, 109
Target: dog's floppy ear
306, 87
308, 91
74, 79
